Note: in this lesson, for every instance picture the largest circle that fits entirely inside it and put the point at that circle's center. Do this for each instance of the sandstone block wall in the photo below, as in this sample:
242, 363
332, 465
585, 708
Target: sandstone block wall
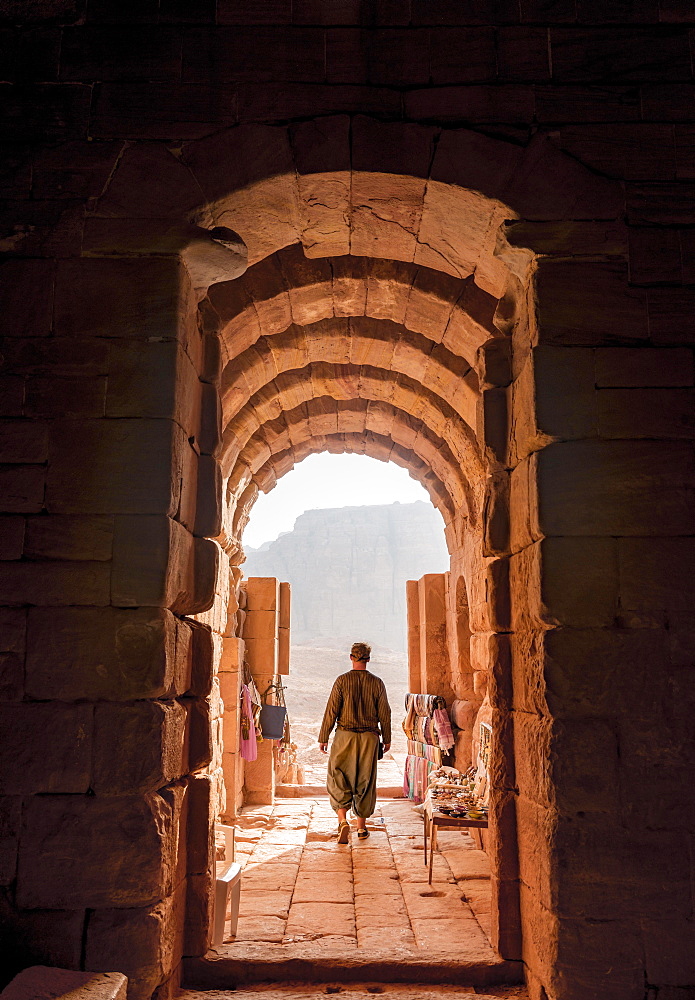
267, 649
430, 670
469, 230
108, 781
284, 625
466, 661
231, 667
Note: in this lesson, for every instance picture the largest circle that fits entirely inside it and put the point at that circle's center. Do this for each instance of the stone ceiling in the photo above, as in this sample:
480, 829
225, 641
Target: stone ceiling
377, 309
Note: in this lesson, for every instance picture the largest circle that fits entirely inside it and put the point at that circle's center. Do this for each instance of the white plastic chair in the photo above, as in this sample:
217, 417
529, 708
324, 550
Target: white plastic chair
227, 888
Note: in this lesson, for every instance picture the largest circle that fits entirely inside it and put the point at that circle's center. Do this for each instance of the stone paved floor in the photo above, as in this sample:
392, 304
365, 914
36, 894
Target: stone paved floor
300, 887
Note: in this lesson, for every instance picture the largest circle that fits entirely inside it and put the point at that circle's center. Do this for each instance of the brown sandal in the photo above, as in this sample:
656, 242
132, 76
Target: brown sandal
363, 834
343, 832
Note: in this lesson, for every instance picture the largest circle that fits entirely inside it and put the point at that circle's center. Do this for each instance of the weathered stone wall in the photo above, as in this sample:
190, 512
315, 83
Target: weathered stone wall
108, 696
261, 631
577, 569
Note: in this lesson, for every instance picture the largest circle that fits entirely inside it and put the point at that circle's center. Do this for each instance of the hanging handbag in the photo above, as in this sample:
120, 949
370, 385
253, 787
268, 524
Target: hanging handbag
380, 751
273, 716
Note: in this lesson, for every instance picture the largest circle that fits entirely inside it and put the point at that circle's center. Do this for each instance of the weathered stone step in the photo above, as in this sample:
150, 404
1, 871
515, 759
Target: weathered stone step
359, 991
319, 791
44, 982
232, 966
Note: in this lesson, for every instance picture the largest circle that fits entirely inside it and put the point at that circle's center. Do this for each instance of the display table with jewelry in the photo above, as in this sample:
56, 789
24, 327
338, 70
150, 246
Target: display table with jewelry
455, 801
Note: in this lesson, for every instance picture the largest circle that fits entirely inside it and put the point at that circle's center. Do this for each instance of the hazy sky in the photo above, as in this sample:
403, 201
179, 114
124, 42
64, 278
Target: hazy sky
326, 480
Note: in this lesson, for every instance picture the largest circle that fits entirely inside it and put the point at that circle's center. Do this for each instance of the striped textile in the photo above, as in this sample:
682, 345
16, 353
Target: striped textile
418, 749
358, 702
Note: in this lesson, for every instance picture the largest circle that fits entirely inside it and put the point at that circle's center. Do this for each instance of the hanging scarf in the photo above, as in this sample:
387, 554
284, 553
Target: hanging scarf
248, 746
410, 717
256, 705
445, 737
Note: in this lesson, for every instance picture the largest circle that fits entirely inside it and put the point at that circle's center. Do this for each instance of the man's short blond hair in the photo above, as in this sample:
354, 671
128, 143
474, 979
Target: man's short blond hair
361, 651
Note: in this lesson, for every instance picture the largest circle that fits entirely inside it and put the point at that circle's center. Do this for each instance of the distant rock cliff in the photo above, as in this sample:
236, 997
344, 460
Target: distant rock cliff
348, 568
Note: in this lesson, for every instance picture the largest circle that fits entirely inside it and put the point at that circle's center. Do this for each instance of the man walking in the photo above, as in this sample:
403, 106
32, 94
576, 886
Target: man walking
359, 706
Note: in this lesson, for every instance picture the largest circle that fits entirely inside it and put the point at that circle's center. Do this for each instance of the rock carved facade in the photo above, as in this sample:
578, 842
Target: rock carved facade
348, 567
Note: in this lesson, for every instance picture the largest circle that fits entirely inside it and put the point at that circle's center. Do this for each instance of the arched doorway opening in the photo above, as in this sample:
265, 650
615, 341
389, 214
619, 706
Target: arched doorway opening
363, 384
406, 327
396, 349
273, 848
346, 532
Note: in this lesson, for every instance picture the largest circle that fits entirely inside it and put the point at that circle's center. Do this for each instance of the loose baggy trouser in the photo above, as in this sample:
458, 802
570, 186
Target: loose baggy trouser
351, 778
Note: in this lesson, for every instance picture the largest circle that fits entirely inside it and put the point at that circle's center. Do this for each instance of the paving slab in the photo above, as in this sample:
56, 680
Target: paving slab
459, 839
245, 837
372, 938
467, 864
321, 918
379, 882
329, 945
383, 872
322, 830
383, 912
261, 928
404, 841
409, 853
277, 853
461, 935
440, 901
374, 856
477, 894
403, 824
291, 821
323, 887
284, 835
417, 872
259, 903
266, 877
254, 816
326, 858
410, 857
485, 923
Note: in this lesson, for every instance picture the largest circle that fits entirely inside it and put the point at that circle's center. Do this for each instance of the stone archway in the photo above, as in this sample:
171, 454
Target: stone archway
407, 327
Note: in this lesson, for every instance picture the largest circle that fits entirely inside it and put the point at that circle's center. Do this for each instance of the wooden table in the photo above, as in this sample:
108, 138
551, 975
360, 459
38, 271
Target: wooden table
433, 819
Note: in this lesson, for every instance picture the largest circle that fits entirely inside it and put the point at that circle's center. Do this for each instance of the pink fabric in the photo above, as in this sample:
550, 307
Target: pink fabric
422, 768
415, 777
443, 728
247, 747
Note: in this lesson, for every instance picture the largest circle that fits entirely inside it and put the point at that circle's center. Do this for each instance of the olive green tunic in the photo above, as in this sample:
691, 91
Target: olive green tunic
357, 702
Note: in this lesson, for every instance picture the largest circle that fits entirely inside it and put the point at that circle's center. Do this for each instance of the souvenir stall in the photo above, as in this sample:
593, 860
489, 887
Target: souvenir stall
430, 741
458, 800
